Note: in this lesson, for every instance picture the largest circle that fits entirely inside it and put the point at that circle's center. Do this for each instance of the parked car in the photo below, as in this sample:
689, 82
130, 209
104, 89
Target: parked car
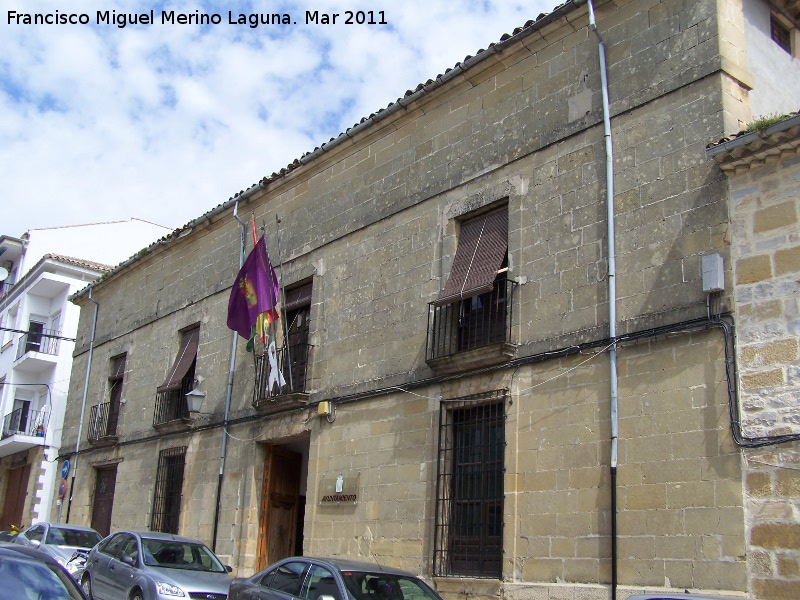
58, 540
28, 574
148, 565
337, 579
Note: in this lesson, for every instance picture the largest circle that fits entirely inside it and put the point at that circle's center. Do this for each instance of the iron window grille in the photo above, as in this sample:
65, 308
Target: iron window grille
471, 323
23, 421
38, 339
293, 365
167, 494
171, 402
292, 359
104, 417
468, 533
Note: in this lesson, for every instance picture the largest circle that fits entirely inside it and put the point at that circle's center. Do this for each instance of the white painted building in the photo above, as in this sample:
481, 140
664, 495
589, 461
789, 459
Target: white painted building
39, 271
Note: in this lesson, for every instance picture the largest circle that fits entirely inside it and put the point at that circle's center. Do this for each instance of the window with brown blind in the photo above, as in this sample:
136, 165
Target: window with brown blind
473, 310
171, 395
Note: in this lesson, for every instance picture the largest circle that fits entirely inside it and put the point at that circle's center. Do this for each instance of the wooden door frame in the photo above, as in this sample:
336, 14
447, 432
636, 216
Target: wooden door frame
271, 451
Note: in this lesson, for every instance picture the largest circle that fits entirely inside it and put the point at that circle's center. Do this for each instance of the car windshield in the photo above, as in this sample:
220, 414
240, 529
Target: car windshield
382, 586
64, 536
34, 580
180, 555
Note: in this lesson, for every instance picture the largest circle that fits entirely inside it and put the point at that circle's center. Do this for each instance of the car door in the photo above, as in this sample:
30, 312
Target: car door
123, 567
282, 583
100, 566
320, 581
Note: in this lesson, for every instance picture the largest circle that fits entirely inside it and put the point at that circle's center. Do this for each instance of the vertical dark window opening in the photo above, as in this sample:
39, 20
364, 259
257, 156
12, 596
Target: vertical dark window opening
34, 339
171, 395
468, 539
781, 34
167, 495
115, 393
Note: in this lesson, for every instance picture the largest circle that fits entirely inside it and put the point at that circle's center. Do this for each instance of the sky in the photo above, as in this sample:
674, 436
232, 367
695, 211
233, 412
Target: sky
164, 121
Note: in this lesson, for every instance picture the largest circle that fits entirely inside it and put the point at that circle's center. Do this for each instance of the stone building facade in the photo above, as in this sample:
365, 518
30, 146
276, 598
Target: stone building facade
763, 168
456, 403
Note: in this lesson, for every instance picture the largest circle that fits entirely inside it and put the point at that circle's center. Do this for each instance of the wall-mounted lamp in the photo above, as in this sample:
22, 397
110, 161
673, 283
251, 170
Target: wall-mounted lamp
194, 400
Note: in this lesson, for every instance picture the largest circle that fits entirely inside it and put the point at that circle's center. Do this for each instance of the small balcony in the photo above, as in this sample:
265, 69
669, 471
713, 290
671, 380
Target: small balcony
23, 429
172, 410
292, 363
471, 332
37, 349
103, 424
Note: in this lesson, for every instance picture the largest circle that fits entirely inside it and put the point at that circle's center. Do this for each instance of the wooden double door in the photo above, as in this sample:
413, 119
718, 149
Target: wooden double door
281, 512
16, 492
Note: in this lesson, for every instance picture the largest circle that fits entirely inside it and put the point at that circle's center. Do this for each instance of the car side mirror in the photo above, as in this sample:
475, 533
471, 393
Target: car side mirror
35, 543
229, 568
129, 560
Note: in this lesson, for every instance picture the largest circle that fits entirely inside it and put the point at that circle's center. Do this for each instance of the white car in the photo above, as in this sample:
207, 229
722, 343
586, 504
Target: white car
59, 540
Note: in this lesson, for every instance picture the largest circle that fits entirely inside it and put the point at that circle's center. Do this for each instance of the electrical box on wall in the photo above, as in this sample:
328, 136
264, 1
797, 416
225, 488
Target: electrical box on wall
713, 273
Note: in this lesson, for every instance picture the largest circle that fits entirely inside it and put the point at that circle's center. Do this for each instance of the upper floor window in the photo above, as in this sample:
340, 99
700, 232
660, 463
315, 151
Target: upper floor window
105, 416
781, 32
290, 361
473, 309
171, 401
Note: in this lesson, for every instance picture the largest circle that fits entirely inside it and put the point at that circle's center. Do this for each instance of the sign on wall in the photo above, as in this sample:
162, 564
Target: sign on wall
339, 488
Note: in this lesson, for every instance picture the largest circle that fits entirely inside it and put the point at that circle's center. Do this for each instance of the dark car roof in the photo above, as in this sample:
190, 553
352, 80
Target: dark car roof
15, 551
7, 549
158, 535
348, 564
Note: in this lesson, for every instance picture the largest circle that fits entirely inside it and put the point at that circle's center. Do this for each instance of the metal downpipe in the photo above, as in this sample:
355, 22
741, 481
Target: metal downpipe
228, 394
83, 401
612, 295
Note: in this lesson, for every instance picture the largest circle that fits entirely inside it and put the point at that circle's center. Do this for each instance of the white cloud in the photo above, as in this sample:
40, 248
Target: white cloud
165, 122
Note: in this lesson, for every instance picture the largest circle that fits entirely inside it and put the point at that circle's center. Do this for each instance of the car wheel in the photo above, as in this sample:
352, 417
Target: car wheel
86, 586
137, 595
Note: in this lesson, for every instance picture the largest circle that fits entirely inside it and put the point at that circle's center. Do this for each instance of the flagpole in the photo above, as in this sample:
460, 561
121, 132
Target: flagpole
271, 323
283, 303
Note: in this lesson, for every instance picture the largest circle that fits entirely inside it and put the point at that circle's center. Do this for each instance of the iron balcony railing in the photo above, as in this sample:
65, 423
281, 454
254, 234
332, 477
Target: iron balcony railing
103, 421
295, 379
45, 341
470, 323
171, 405
23, 421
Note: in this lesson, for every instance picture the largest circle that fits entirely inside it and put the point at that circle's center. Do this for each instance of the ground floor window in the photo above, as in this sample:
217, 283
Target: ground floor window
468, 539
167, 495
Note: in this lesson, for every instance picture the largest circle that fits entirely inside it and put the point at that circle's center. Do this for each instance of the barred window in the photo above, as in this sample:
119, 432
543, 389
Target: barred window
167, 495
468, 538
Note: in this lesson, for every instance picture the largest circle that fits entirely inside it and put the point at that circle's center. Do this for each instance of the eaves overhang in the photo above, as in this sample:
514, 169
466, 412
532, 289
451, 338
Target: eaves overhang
530, 28
748, 150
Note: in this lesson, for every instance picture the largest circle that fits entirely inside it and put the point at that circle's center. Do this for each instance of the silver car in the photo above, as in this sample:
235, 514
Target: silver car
147, 565
59, 540
308, 578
